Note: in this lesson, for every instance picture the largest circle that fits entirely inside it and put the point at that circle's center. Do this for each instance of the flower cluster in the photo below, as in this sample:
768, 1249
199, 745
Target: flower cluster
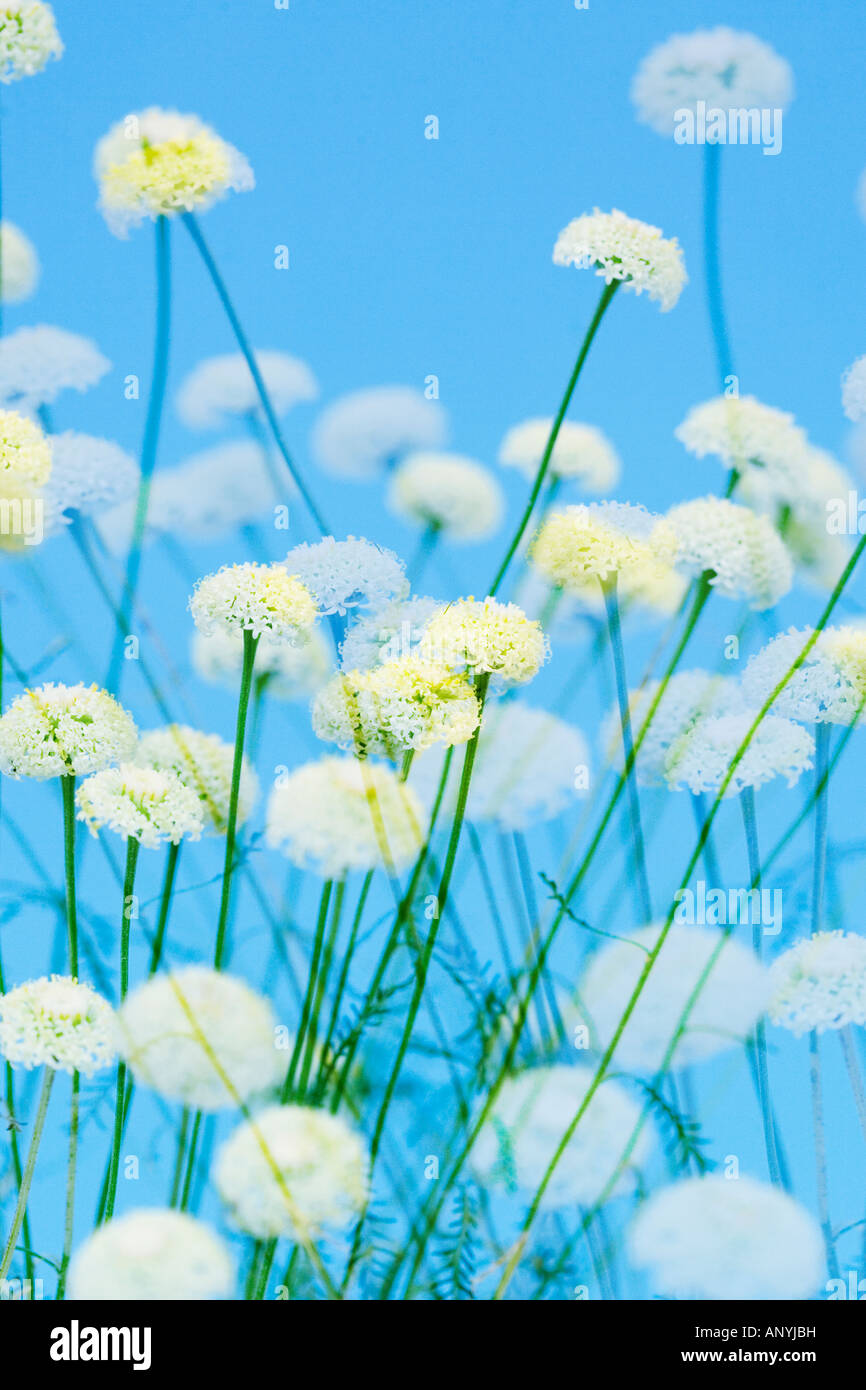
253, 598
25, 453
36, 364
64, 730
401, 705
623, 249
721, 67
150, 1254
740, 550
702, 758
58, 1023
391, 631
820, 983
222, 388
87, 475
348, 574
28, 38
19, 265
581, 453
750, 437
581, 544
688, 697
486, 637
367, 432
140, 803
203, 762
448, 493
828, 686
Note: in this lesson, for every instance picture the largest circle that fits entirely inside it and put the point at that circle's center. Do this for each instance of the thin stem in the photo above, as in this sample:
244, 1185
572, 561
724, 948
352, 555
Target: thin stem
609, 590
819, 862
750, 824
852, 1066
249, 657
132, 849
712, 270
29, 1168
821, 1155
321, 985
67, 785
164, 907
306, 1008
71, 1167
426, 546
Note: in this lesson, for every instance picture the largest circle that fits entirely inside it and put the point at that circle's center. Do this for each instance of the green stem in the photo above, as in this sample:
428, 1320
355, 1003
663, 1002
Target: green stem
249, 658
609, 590
321, 985
307, 1006
29, 1168
67, 785
164, 907
750, 825
132, 849
71, 1167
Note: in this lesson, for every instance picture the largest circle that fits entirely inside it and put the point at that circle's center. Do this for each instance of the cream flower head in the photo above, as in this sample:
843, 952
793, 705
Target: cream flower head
25, 453
157, 163
203, 762
141, 804
621, 248
742, 551
579, 545
829, 685
752, 437
581, 453
253, 598
148, 1254
701, 758
19, 265
401, 705
57, 1023
64, 730
28, 38
486, 637
455, 495
820, 983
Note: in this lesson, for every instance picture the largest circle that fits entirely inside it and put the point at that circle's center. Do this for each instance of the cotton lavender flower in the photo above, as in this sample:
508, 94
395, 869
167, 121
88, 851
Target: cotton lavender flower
150, 1254
87, 475
348, 574
140, 803
579, 545
688, 697
58, 1023
292, 1171
854, 390
764, 443
19, 265
392, 631
222, 388
202, 1038
448, 493
64, 730
829, 686
28, 38
157, 163
724, 1014
25, 452
36, 364
486, 637
401, 706
723, 1238
820, 983
367, 432
203, 762
701, 759
291, 672
337, 815
742, 551
621, 248
581, 453
528, 1120
720, 67
254, 598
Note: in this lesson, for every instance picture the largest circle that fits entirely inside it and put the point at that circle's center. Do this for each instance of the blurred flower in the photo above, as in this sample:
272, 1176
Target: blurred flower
87, 474
717, 1237
140, 803
392, 631
622, 248
820, 983
64, 730
157, 163
486, 637
367, 432
689, 697
701, 758
578, 545
57, 1023
151, 1254
28, 38
743, 552
720, 67
526, 1125
201, 1038
292, 1171
293, 672
759, 441
829, 686
253, 598
452, 494
405, 704
19, 265
726, 1010
36, 364
336, 815
854, 390
25, 452
581, 453
348, 574
203, 762
222, 387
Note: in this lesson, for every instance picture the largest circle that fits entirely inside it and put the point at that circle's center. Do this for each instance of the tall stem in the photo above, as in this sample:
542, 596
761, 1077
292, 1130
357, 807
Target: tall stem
712, 270
29, 1167
67, 785
164, 907
750, 824
609, 587
71, 1168
249, 658
132, 848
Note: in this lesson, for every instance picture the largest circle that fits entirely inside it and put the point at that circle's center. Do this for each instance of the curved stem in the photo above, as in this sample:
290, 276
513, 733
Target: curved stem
29, 1168
250, 645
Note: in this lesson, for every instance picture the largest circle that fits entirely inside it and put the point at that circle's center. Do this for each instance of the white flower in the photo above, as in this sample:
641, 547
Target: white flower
348, 574
222, 387
253, 598
727, 1238
392, 631
140, 803
527, 1123
764, 443
450, 493
19, 264
487, 637
292, 1171
64, 730
621, 248
820, 983
581, 452
203, 762
58, 1023
405, 704
157, 163
367, 432
701, 758
25, 453
151, 1254
689, 697
721, 67
336, 815
292, 672
579, 545
725, 1012
854, 390
743, 552
87, 475
829, 687
36, 364
202, 1038
28, 38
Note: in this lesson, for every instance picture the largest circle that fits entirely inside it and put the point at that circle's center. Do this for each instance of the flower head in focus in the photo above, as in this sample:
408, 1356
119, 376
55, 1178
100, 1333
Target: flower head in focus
157, 163
700, 760
405, 704
579, 545
203, 762
36, 364
222, 388
25, 452
448, 493
721, 67
368, 432
829, 685
28, 38
348, 574
254, 598
742, 551
820, 983
581, 453
64, 730
291, 672
487, 638
140, 803
151, 1253
621, 248
19, 265
58, 1023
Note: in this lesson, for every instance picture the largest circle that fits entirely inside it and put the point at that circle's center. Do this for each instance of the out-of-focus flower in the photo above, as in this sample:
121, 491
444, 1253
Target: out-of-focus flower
58, 1023
392, 631
401, 705
579, 545
755, 439
292, 1171
820, 983
689, 697
203, 762
254, 598
715, 1237
19, 265
36, 364
741, 550
157, 163
701, 758
725, 1012
87, 475
829, 687
581, 453
64, 730
486, 637
202, 1038
336, 815
25, 452
151, 1254
525, 1128
854, 390
367, 432
721, 67
621, 248
292, 672
28, 38
140, 803
452, 494
348, 574
221, 388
